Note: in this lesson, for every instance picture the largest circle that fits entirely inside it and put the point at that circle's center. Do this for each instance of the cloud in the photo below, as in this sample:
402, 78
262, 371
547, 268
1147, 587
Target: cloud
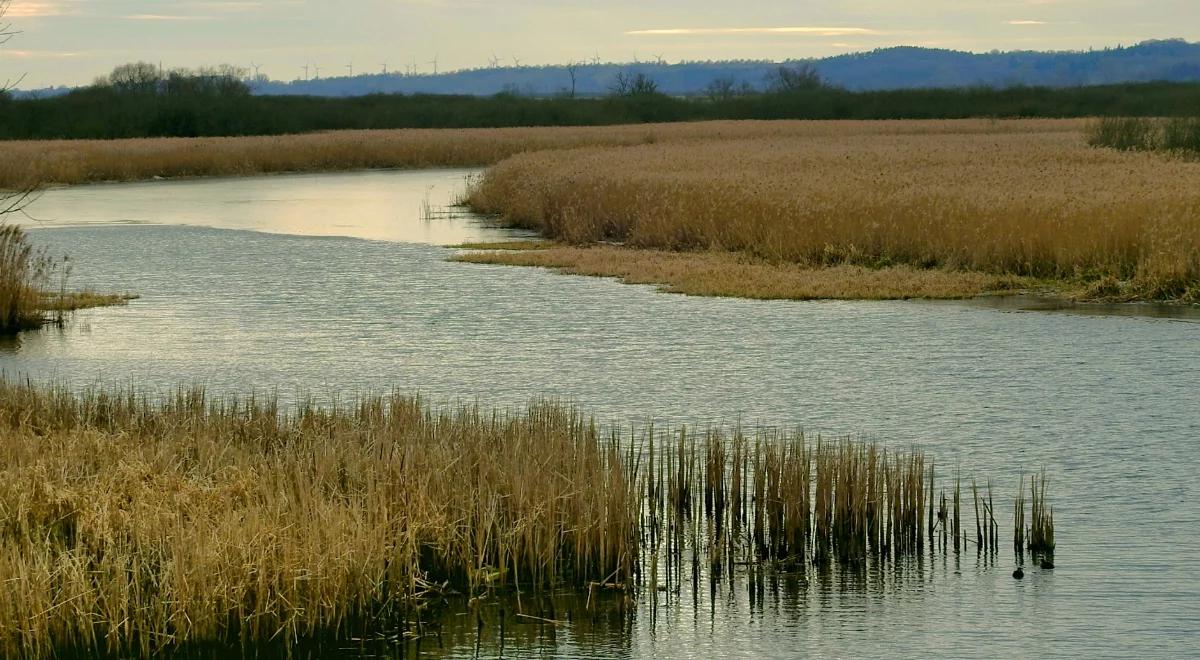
165, 17
806, 30
22, 9
39, 54
1027, 22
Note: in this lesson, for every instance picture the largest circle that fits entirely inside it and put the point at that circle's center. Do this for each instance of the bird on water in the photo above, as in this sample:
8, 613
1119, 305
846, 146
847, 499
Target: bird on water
1019, 573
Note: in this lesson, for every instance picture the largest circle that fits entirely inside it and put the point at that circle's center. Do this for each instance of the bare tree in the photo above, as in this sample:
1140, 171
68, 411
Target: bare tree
720, 89
633, 84
573, 71
133, 78
797, 78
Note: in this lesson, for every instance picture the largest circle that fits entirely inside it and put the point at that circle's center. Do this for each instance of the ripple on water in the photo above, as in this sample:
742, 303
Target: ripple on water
1107, 404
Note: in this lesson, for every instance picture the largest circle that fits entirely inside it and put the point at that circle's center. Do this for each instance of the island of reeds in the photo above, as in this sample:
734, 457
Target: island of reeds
132, 524
939, 209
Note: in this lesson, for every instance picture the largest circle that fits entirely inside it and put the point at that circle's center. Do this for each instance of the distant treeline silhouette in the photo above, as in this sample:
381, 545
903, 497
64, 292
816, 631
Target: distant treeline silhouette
137, 100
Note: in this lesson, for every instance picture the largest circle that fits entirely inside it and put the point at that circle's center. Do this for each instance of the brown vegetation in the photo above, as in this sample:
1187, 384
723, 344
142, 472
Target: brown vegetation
26, 163
26, 301
731, 274
133, 526
1022, 198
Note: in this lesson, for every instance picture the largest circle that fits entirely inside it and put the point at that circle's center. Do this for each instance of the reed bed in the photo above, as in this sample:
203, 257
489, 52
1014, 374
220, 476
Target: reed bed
130, 526
27, 299
24, 164
138, 525
24, 272
1023, 199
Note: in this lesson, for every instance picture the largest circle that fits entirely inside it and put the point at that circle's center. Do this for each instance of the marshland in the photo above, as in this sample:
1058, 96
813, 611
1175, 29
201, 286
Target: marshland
335, 289
886, 353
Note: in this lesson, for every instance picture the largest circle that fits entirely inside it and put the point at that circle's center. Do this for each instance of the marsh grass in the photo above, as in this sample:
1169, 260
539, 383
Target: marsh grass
29, 298
717, 273
138, 525
24, 273
1007, 199
26, 164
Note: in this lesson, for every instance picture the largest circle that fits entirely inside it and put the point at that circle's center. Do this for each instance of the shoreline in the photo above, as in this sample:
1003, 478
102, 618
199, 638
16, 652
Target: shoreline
733, 275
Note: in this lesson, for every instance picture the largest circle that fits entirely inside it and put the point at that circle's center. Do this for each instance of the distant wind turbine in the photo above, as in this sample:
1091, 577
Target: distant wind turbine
305, 67
659, 60
434, 62
350, 68
256, 69
385, 68
516, 61
495, 61
316, 72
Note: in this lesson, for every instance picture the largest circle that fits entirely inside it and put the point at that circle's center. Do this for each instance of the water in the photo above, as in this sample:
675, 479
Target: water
305, 303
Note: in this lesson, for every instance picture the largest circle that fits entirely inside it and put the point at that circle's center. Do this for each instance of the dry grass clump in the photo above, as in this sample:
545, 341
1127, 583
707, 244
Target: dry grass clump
24, 164
128, 526
26, 298
23, 273
73, 301
731, 274
1009, 198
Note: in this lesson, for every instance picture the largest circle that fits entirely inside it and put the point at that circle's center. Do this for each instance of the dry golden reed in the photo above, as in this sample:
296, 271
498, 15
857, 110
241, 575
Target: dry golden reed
132, 526
41, 162
1023, 198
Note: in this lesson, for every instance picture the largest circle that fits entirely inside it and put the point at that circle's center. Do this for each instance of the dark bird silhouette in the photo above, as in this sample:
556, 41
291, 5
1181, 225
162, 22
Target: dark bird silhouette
1018, 574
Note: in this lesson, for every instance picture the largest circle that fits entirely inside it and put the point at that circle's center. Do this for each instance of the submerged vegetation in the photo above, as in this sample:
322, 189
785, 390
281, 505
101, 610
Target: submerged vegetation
135, 525
1008, 199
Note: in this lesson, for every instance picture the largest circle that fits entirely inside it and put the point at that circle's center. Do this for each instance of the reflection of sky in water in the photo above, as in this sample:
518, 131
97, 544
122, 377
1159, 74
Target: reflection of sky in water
385, 205
1109, 405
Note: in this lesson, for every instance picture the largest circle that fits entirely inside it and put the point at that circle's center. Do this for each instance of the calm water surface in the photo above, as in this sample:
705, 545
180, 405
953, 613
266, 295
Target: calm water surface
335, 283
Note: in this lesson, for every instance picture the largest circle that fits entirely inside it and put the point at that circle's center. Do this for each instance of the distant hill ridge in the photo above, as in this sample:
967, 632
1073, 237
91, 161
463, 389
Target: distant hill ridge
904, 67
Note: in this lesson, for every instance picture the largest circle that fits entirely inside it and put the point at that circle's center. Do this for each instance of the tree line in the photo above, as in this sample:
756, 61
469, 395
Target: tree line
141, 100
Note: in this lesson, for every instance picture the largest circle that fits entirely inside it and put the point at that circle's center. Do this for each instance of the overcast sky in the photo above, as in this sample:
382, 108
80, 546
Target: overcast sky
72, 41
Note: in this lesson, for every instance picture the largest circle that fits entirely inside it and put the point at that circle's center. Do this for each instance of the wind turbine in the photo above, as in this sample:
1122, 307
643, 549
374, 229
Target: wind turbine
385, 68
256, 68
658, 59
305, 67
516, 61
434, 62
350, 68
495, 61
316, 72
596, 59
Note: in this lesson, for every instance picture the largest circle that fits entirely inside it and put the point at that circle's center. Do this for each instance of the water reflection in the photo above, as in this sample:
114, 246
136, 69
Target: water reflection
380, 205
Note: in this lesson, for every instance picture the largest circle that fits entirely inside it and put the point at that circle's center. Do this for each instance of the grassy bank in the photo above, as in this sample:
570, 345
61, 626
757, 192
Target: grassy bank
737, 275
131, 525
1011, 200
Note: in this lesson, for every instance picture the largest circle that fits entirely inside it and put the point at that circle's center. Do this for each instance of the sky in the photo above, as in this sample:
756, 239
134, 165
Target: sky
70, 42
